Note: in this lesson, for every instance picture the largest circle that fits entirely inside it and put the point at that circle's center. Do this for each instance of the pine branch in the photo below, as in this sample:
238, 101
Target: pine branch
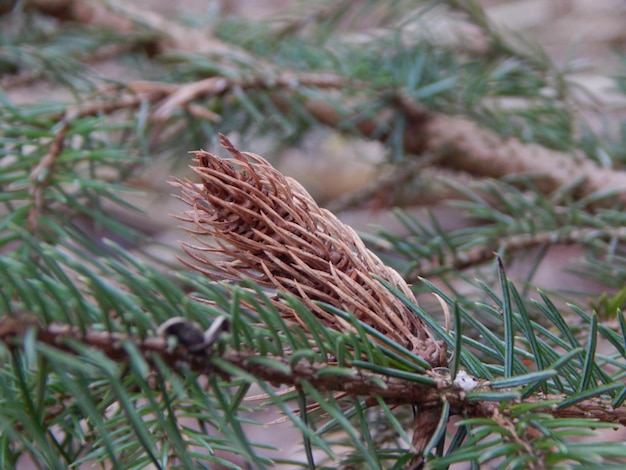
464, 145
167, 98
249, 221
40, 175
474, 257
459, 143
436, 388
309, 306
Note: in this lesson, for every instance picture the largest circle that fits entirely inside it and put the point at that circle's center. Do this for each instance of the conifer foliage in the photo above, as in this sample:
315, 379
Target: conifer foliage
121, 349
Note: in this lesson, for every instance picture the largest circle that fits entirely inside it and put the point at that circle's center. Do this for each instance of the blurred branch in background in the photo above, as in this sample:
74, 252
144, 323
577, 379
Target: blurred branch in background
494, 161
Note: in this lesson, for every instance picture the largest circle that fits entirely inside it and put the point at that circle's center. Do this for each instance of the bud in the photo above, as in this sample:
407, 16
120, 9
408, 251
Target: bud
249, 221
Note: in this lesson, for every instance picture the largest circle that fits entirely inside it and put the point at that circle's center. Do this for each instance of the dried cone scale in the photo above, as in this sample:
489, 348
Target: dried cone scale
250, 221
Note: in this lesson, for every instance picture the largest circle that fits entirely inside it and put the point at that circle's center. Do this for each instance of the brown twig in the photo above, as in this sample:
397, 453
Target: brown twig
466, 146
362, 384
218, 86
482, 254
126, 17
167, 97
365, 383
41, 175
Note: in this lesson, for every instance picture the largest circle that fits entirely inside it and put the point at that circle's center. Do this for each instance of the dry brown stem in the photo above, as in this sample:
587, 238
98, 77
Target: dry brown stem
217, 86
363, 384
464, 145
125, 17
479, 255
425, 425
40, 175
250, 221
167, 97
